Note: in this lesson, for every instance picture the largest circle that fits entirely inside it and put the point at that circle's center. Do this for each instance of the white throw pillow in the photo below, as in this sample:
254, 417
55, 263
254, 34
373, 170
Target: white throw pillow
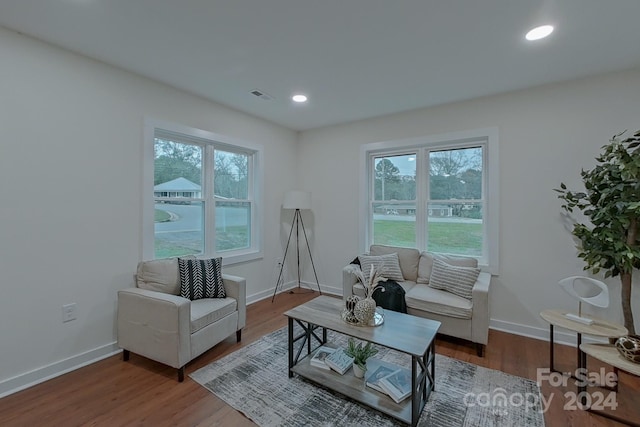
389, 263
455, 279
426, 264
159, 275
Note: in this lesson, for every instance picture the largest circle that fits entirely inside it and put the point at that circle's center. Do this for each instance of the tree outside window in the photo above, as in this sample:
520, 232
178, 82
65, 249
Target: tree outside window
183, 205
450, 207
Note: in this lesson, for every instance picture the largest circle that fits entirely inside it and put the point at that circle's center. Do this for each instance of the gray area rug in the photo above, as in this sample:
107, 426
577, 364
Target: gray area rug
254, 381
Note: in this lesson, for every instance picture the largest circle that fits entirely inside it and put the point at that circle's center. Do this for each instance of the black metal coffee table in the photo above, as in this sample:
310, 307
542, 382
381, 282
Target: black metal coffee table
408, 334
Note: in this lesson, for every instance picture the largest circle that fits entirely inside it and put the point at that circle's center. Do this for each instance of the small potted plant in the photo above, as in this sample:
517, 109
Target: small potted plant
360, 355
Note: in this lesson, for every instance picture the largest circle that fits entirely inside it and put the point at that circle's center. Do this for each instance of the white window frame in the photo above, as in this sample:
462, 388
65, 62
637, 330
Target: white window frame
487, 137
209, 140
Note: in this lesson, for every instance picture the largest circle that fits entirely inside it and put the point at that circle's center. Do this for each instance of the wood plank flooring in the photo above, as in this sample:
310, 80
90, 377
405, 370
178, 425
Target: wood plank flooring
141, 392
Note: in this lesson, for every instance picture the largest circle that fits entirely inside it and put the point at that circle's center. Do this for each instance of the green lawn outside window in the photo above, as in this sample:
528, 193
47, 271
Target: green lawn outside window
461, 238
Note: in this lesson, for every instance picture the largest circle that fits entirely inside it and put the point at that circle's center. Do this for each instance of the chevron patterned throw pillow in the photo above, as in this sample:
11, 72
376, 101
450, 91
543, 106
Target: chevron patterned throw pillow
201, 278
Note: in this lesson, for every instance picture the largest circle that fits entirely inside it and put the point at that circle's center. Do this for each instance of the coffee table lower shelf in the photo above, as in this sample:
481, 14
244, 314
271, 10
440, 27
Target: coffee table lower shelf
413, 336
355, 389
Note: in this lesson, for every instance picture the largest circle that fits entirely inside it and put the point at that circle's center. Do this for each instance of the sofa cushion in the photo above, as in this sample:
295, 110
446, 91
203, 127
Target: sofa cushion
160, 275
358, 289
209, 310
425, 298
452, 278
201, 278
426, 264
407, 257
389, 264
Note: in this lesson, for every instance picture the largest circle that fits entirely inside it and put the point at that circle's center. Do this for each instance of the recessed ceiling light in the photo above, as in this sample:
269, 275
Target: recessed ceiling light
299, 98
539, 32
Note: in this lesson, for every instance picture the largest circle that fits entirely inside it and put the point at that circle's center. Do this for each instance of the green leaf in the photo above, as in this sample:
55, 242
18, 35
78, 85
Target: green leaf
612, 205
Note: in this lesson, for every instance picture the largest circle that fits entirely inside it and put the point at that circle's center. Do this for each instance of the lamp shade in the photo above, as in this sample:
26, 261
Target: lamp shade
297, 199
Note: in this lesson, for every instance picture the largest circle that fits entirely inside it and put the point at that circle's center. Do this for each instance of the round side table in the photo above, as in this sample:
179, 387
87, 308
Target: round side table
599, 328
608, 354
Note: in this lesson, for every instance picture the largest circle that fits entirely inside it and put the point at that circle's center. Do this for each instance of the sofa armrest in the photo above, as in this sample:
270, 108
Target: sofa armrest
480, 315
236, 287
155, 325
348, 280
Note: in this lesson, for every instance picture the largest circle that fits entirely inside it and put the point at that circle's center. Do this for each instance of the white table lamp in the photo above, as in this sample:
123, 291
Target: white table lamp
297, 199
585, 289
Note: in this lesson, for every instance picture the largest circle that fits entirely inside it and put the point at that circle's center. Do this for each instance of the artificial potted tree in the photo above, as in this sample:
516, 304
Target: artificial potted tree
611, 202
360, 355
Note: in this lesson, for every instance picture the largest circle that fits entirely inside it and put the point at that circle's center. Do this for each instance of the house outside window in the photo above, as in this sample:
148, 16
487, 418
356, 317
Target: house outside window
438, 194
202, 195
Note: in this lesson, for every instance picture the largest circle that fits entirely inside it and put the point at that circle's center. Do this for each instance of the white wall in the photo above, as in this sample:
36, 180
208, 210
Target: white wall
547, 135
70, 211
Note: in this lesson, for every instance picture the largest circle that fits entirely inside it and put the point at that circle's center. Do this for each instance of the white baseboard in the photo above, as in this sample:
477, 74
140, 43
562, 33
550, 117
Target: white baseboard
269, 293
540, 333
285, 287
37, 376
331, 290
40, 375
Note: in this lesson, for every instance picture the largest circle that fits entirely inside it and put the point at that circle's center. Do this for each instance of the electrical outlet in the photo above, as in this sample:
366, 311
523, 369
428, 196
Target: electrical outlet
69, 312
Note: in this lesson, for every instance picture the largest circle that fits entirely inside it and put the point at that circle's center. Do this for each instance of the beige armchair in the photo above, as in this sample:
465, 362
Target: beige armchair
154, 321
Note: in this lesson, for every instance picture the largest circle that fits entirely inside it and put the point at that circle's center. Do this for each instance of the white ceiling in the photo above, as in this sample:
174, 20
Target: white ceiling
355, 59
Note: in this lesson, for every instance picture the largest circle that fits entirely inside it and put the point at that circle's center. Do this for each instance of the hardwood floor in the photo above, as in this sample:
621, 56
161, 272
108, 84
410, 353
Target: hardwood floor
141, 392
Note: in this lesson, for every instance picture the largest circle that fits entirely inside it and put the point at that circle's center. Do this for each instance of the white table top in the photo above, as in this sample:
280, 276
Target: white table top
599, 327
610, 355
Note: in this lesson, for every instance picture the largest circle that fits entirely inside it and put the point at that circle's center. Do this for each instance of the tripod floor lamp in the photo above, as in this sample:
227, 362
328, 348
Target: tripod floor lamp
298, 200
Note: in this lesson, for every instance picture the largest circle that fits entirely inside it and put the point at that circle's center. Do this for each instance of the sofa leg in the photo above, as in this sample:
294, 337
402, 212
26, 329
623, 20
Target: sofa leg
125, 355
238, 335
480, 349
181, 374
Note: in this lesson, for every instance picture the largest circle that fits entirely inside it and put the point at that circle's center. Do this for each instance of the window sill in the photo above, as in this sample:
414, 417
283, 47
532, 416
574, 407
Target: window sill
238, 258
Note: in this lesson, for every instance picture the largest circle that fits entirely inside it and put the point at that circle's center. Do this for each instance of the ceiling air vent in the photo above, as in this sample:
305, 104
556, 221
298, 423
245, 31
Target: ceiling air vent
261, 94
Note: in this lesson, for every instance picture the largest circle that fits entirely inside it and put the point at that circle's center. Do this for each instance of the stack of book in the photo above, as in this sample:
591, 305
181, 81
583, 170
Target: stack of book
389, 378
397, 385
339, 361
319, 358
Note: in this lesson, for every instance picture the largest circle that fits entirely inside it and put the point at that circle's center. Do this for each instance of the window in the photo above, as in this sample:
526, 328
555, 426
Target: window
202, 195
393, 208
437, 194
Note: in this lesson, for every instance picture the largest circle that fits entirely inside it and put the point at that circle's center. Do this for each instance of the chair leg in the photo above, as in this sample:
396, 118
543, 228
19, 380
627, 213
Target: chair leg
238, 335
125, 355
181, 374
480, 349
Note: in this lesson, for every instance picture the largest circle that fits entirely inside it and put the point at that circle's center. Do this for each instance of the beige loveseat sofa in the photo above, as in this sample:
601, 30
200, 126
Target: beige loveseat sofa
154, 321
466, 318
